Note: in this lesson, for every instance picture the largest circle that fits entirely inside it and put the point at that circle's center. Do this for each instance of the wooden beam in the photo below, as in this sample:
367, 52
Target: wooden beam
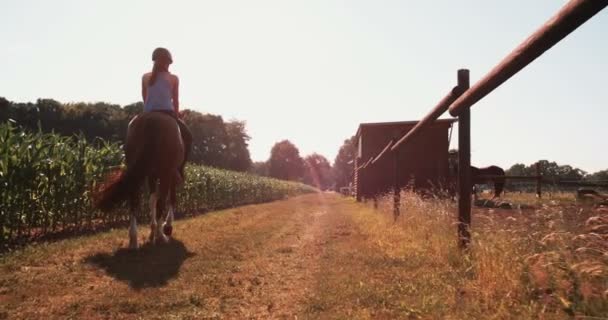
580, 183
437, 111
570, 17
490, 177
464, 168
383, 152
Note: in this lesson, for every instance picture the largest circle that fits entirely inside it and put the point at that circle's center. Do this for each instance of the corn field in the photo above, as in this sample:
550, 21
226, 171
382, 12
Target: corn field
46, 182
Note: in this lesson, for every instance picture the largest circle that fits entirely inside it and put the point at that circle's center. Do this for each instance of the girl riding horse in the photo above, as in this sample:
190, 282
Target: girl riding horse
160, 93
156, 149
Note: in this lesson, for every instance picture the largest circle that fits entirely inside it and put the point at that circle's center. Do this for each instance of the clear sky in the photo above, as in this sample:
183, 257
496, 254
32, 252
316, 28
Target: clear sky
310, 71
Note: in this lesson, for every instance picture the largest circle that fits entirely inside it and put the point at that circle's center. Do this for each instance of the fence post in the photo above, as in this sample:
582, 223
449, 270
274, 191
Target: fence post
396, 188
538, 180
464, 166
357, 181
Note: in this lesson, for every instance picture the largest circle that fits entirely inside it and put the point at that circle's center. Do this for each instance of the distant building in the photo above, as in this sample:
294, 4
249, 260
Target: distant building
423, 163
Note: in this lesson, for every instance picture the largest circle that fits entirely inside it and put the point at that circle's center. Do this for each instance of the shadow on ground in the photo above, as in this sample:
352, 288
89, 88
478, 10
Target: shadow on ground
149, 266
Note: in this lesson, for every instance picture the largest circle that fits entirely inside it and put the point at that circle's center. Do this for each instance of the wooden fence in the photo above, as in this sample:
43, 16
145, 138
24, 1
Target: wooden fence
461, 98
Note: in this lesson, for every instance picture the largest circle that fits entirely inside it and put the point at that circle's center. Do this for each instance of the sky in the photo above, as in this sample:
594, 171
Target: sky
310, 71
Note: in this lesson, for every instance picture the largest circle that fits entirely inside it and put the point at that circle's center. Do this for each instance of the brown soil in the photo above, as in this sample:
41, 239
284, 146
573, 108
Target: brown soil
249, 262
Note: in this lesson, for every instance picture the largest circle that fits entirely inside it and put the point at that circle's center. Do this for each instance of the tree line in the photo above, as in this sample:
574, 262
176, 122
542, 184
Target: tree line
216, 143
286, 163
554, 171
223, 144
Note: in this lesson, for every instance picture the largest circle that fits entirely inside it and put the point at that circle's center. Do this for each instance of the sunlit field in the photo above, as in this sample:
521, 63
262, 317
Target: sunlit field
551, 260
235, 160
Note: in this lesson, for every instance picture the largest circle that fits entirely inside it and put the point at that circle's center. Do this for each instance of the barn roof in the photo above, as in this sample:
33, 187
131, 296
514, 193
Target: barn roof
403, 123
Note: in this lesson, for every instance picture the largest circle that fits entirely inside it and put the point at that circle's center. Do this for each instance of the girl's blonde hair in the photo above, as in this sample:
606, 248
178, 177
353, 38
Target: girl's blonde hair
160, 56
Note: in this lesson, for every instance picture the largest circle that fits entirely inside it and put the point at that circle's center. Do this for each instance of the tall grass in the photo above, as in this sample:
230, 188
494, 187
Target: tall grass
551, 261
46, 180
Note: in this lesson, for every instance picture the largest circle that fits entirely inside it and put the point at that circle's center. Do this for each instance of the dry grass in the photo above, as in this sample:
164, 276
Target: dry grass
325, 257
547, 198
548, 262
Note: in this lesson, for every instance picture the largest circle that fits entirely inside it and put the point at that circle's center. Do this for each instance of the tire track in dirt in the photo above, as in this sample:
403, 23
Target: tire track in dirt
276, 282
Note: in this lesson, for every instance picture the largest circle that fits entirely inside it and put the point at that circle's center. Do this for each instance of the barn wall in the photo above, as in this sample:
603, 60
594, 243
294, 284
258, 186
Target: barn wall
423, 162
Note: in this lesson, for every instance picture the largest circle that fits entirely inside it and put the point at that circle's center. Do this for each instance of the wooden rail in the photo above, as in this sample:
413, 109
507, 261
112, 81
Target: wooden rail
490, 177
571, 16
580, 183
384, 150
437, 111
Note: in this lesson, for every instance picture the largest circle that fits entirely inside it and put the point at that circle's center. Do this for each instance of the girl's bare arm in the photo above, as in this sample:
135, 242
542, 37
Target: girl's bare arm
176, 95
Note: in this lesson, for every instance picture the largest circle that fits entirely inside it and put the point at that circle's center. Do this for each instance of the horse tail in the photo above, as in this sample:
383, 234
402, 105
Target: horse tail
121, 184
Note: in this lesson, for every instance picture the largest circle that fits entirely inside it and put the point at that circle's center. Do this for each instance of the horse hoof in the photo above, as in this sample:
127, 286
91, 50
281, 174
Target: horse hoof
167, 229
133, 246
162, 239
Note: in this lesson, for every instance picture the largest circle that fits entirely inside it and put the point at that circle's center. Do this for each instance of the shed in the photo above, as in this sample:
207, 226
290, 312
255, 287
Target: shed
423, 163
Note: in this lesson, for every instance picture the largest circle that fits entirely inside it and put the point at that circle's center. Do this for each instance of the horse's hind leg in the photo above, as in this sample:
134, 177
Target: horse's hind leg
168, 225
163, 192
153, 205
133, 205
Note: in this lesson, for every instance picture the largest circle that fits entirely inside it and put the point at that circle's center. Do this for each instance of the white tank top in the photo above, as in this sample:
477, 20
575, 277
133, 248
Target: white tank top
160, 94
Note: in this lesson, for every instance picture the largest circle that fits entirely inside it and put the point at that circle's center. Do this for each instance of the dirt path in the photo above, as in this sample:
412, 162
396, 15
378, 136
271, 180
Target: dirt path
318, 256
251, 262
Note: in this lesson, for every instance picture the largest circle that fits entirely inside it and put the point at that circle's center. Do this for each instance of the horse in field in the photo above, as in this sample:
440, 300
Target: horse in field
154, 151
477, 177
497, 180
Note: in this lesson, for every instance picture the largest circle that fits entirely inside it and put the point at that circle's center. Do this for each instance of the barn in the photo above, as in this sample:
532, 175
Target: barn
423, 163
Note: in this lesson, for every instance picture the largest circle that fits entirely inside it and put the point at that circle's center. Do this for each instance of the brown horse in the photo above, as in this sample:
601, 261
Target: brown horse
498, 177
154, 150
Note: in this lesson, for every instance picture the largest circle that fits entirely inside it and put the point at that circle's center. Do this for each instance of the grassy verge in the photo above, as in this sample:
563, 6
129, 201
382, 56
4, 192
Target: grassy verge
549, 262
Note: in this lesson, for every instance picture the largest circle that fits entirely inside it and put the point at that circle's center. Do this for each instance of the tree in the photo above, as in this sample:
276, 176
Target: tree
209, 138
317, 171
4, 109
215, 143
518, 169
549, 169
567, 172
344, 164
237, 154
285, 161
49, 114
260, 168
598, 176
133, 109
